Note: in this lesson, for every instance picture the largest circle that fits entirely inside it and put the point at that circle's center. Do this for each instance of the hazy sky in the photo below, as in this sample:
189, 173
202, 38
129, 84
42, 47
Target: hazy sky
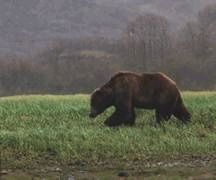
27, 25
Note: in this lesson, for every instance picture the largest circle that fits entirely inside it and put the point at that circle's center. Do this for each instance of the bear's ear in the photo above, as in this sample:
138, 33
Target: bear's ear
102, 91
98, 91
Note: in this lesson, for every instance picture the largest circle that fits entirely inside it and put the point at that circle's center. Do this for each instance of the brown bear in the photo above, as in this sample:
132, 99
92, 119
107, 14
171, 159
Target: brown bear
127, 90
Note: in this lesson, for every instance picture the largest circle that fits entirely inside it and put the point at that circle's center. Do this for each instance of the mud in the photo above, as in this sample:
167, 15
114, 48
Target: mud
190, 173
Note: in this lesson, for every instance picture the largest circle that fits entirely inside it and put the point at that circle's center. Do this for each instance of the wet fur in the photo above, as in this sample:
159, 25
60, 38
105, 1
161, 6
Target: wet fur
127, 91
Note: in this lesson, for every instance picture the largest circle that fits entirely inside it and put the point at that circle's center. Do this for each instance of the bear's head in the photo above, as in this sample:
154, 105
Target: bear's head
100, 100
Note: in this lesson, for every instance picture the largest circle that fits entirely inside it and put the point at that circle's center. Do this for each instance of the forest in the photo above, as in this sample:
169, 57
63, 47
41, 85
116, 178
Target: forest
147, 44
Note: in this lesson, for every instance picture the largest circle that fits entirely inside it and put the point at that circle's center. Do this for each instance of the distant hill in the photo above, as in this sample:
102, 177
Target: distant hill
27, 25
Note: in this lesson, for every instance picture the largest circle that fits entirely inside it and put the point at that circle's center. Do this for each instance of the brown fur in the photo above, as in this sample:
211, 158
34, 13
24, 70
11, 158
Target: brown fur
127, 90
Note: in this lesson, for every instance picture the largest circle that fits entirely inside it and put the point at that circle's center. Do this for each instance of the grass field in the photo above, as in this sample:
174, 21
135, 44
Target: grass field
58, 128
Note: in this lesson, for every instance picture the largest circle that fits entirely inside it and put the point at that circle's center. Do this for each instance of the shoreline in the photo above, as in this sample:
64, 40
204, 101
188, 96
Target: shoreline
187, 166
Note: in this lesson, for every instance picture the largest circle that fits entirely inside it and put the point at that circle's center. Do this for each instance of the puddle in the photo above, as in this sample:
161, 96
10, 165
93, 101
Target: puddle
156, 173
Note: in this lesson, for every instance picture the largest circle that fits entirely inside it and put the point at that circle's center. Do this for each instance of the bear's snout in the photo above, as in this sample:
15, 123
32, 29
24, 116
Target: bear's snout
92, 115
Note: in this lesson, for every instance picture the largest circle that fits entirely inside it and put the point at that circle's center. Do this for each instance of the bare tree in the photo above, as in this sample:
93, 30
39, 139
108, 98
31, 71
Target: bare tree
147, 41
207, 26
194, 60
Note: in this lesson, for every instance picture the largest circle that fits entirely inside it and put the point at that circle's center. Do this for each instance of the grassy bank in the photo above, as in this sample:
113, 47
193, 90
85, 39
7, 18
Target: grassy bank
58, 127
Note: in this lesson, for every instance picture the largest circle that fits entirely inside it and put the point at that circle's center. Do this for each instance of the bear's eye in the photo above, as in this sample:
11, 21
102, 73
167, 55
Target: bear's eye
99, 93
94, 100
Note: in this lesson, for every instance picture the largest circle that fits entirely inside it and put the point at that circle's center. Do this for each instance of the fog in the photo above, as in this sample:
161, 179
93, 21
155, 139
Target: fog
52, 46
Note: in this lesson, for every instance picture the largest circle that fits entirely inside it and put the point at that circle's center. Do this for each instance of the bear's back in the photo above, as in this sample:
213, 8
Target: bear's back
144, 81
157, 76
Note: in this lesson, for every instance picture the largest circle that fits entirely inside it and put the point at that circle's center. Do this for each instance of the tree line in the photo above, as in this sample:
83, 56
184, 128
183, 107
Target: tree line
147, 44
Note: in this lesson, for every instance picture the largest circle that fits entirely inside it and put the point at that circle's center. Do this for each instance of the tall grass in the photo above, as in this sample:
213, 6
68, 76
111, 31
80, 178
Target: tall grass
59, 125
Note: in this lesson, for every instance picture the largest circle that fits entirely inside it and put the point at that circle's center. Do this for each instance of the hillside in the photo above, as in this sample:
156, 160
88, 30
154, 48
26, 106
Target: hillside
28, 25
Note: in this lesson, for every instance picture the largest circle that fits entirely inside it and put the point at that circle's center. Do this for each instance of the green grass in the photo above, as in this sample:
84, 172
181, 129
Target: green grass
37, 126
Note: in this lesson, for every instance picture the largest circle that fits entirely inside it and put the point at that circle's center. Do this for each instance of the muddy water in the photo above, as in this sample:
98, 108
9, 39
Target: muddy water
156, 173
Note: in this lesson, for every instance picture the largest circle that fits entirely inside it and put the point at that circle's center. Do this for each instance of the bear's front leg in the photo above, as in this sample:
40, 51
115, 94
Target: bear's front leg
158, 118
121, 117
130, 118
114, 119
